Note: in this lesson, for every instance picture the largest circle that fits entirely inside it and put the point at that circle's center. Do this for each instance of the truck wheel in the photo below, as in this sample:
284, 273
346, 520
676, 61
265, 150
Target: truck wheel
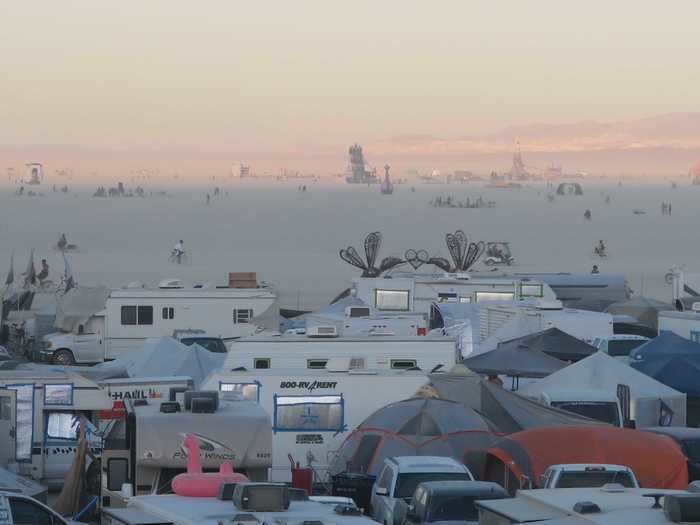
63, 357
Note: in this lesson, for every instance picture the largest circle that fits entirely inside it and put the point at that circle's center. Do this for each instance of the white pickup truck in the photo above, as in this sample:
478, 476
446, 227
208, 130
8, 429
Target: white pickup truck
568, 476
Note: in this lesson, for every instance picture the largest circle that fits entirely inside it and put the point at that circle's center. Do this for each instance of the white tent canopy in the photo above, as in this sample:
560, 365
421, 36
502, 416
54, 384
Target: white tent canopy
602, 373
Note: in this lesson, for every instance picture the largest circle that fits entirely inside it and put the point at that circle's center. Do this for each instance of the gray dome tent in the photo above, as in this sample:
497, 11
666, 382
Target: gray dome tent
415, 427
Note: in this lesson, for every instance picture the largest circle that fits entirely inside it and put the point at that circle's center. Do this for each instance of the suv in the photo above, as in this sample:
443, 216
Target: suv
401, 475
23, 510
449, 501
587, 475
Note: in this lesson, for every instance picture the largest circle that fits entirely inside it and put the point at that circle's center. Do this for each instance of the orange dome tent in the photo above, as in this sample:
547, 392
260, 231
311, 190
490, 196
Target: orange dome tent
656, 460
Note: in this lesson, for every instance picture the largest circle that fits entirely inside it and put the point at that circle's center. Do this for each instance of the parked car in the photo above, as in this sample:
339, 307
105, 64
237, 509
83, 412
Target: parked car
448, 501
401, 475
23, 510
570, 476
689, 441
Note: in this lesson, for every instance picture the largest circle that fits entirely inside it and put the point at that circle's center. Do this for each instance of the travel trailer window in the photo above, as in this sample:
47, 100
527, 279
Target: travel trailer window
137, 315
25, 421
242, 316
248, 391
447, 297
168, 312
62, 425
359, 311
261, 362
397, 300
306, 413
58, 394
494, 296
316, 363
531, 290
403, 364
5, 409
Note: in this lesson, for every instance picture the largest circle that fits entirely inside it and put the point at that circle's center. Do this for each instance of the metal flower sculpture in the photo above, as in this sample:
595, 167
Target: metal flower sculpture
464, 253
372, 243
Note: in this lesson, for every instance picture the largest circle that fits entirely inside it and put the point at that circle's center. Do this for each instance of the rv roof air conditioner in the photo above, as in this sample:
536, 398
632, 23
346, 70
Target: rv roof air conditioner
192, 394
322, 331
549, 305
261, 497
171, 284
695, 307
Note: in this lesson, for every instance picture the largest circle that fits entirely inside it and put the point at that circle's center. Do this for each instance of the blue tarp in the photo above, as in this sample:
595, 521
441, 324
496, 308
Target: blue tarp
671, 360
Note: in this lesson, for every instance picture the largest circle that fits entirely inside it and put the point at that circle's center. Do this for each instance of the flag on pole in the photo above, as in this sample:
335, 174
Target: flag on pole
30, 274
11, 274
67, 275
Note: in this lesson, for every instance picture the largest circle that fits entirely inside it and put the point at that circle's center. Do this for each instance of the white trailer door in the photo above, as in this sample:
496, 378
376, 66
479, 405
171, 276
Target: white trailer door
8, 425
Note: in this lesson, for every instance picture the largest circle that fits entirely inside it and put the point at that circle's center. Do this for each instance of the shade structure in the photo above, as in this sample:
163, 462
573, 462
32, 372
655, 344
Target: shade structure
643, 309
656, 460
671, 360
517, 359
555, 343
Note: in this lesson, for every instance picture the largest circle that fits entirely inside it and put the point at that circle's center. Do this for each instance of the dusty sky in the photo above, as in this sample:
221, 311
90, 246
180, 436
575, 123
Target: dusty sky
251, 75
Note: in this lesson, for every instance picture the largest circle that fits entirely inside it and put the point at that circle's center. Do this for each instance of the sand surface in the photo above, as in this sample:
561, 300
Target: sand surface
292, 238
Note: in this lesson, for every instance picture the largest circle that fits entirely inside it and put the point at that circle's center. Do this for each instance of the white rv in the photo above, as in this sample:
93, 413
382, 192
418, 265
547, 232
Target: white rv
414, 292
131, 315
39, 417
313, 411
307, 351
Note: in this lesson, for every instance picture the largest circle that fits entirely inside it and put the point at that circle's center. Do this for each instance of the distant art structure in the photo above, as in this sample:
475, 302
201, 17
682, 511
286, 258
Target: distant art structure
464, 255
570, 188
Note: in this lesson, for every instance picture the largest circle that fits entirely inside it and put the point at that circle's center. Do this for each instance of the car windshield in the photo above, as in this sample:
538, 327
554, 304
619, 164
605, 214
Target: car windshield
623, 347
605, 411
691, 447
570, 480
453, 508
214, 345
406, 483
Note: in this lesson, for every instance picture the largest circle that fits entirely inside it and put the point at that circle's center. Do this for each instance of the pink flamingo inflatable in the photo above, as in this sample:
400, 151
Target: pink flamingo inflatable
198, 484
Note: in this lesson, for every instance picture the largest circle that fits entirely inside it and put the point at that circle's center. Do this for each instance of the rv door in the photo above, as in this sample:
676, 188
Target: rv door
8, 425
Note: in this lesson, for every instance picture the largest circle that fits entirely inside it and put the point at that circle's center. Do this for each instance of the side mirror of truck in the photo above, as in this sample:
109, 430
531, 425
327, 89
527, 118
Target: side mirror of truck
381, 491
629, 423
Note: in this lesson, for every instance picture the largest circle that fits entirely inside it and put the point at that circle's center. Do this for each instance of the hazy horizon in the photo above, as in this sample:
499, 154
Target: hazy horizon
293, 84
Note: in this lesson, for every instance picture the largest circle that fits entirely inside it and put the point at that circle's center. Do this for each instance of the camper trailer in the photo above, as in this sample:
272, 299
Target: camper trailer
307, 351
144, 447
131, 315
41, 412
414, 292
313, 411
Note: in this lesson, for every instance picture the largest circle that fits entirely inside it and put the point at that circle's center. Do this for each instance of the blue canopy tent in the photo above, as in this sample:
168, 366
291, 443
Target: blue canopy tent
675, 362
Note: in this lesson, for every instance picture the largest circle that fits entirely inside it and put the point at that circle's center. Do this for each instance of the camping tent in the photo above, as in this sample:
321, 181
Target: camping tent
415, 427
602, 373
514, 359
675, 362
555, 343
656, 460
504, 410
643, 309
165, 356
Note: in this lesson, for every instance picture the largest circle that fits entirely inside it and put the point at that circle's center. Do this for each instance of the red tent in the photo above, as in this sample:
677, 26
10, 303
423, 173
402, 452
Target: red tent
656, 460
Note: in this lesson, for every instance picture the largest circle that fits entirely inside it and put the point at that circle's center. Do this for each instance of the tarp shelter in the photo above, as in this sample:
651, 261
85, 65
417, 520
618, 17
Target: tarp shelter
656, 460
415, 427
514, 359
505, 411
555, 343
643, 309
603, 373
168, 357
675, 362
78, 305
